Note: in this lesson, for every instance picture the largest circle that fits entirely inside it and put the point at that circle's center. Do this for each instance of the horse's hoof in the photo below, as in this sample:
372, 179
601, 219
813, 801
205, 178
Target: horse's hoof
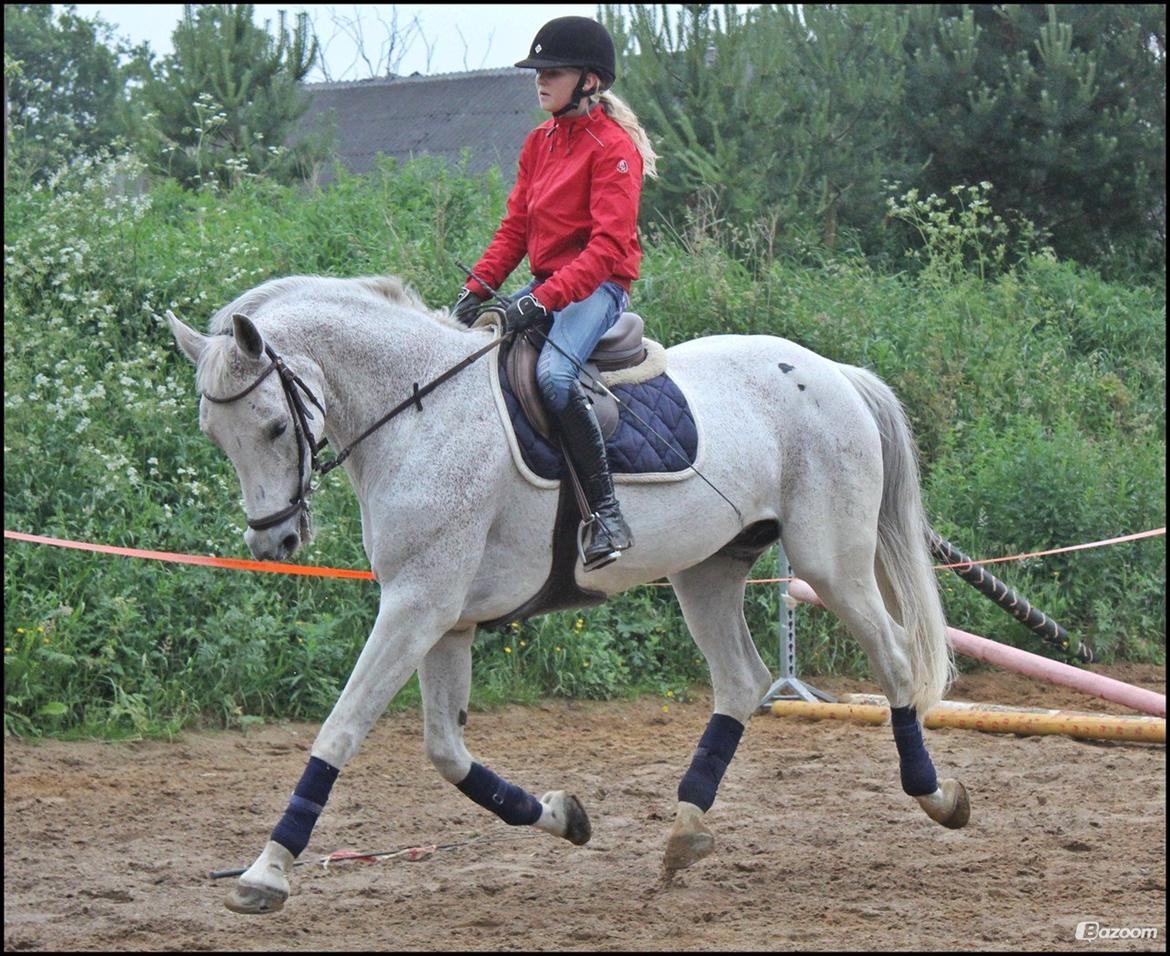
689, 840
245, 898
578, 830
687, 849
949, 805
961, 812
569, 812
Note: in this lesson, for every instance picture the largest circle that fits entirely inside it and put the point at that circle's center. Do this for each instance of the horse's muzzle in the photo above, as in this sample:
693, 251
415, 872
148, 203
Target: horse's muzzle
274, 544
281, 540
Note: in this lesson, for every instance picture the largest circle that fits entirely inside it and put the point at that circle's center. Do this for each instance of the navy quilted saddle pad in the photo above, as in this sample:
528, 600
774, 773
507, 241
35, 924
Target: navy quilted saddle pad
634, 448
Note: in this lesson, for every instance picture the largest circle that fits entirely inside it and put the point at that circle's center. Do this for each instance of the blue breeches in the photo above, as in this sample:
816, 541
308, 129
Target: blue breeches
576, 329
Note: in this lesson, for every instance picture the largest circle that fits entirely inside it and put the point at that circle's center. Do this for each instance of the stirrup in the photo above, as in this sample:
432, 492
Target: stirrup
601, 561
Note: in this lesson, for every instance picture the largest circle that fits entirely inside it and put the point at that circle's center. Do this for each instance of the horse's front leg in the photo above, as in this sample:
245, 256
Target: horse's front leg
445, 679
409, 621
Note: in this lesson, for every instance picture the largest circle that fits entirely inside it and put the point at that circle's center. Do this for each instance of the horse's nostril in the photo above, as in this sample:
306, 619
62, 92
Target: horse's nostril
290, 542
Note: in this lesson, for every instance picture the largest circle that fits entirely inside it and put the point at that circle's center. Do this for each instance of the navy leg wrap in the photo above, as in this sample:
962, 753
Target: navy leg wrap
304, 806
714, 753
918, 776
514, 805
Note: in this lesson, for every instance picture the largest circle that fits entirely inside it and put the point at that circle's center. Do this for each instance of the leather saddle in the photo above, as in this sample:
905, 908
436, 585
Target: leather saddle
621, 347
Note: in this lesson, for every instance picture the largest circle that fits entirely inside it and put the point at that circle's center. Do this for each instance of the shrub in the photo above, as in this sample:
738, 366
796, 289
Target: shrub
1037, 396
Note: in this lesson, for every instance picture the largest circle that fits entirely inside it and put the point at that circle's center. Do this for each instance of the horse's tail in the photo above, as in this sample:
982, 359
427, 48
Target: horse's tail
903, 563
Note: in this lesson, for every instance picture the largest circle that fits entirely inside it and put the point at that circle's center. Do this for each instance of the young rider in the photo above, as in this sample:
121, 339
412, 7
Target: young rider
574, 213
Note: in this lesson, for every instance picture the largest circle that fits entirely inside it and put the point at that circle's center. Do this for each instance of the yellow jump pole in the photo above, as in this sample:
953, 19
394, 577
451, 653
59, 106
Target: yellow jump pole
1086, 726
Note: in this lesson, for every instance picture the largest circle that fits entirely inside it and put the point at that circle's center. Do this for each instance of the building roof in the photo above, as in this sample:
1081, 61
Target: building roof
487, 112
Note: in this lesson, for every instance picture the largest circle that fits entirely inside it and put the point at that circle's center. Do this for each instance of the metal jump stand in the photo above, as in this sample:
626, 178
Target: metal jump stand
789, 686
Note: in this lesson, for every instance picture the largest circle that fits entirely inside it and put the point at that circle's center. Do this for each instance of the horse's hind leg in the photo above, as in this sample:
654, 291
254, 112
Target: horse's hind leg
711, 597
445, 679
841, 571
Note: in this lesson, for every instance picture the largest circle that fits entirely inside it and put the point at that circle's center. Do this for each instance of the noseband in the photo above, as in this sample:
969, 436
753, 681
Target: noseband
292, 386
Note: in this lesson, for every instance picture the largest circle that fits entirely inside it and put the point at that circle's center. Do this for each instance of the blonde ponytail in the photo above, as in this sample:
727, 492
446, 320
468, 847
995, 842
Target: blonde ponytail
621, 114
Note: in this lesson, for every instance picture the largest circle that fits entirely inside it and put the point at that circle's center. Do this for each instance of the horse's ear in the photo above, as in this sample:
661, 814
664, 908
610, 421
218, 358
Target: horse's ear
247, 336
191, 342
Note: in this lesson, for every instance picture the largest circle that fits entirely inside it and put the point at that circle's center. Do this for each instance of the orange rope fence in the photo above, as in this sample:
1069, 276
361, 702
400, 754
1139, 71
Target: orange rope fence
276, 567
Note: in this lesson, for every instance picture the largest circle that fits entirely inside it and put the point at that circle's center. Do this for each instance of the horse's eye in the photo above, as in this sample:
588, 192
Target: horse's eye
276, 429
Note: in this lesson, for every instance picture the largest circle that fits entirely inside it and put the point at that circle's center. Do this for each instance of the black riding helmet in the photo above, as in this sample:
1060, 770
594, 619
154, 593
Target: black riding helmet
578, 42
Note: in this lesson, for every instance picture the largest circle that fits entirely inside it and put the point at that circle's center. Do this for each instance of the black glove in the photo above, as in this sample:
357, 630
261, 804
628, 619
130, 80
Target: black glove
522, 313
466, 308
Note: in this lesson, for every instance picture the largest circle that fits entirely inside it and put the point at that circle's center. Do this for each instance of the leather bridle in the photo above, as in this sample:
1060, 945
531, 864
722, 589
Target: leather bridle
292, 386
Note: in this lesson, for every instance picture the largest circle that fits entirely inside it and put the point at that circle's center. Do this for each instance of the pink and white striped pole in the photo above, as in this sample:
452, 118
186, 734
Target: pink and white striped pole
1031, 665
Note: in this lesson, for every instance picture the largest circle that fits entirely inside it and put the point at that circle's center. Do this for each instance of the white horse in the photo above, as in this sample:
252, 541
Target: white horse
809, 451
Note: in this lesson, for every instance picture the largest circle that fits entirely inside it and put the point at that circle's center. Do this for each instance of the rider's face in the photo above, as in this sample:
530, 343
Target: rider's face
555, 86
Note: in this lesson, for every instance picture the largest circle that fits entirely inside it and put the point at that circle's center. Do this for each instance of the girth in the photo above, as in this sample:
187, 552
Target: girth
560, 591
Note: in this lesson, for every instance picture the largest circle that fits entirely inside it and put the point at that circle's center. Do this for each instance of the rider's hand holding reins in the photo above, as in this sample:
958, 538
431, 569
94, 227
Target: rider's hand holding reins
522, 313
466, 307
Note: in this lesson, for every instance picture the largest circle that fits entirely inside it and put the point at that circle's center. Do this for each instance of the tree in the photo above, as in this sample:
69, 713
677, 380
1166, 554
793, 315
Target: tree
1062, 107
224, 103
66, 85
379, 55
794, 115
785, 115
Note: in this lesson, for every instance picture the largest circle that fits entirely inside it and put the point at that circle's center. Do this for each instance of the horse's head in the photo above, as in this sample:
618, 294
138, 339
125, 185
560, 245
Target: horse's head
253, 408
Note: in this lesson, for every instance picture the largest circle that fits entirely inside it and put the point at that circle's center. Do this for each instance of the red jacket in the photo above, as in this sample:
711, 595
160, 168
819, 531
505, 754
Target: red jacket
573, 211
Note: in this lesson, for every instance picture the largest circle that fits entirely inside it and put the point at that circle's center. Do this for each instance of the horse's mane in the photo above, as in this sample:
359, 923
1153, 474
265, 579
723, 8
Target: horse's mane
391, 288
212, 364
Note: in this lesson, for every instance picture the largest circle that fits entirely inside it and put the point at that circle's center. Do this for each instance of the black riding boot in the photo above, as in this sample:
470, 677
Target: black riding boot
608, 533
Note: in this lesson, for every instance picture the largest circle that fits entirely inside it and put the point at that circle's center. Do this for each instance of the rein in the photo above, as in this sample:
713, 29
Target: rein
415, 398
292, 386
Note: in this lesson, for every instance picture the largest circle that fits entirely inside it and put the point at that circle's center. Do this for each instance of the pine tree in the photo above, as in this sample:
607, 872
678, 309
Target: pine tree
1062, 107
227, 99
795, 115
783, 115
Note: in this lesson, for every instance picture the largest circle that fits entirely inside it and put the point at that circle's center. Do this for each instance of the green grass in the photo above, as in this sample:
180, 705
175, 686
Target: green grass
1037, 397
